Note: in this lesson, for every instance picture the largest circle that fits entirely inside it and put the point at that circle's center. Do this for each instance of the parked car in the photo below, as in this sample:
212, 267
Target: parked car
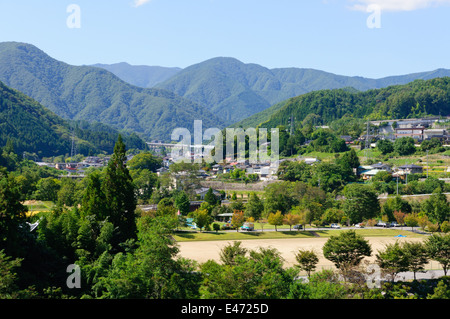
335, 226
395, 224
383, 224
359, 225
298, 227
248, 227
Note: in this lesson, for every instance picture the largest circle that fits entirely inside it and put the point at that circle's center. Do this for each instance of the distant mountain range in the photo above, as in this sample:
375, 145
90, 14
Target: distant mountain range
152, 101
140, 75
233, 90
93, 94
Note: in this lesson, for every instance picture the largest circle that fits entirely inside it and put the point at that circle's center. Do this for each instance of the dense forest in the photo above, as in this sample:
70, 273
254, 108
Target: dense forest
234, 90
419, 98
30, 127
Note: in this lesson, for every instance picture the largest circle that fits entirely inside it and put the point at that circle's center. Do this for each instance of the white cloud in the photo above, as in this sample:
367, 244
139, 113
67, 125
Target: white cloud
138, 3
397, 5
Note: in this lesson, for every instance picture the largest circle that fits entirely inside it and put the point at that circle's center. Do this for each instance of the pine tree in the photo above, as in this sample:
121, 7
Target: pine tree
94, 201
182, 203
120, 195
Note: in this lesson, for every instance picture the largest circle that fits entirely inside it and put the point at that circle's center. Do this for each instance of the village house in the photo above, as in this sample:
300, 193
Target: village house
414, 132
201, 192
440, 134
409, 169
367, 172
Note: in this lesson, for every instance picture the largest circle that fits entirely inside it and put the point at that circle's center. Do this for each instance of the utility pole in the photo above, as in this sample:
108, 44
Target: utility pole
397, 184
367, 143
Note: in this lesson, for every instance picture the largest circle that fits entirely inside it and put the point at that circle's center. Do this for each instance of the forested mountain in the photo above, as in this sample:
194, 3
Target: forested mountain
416, 99
30, 127
140, 75
234, 90
96, 95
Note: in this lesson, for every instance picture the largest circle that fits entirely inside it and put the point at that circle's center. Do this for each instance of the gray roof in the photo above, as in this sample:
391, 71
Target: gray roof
410, 166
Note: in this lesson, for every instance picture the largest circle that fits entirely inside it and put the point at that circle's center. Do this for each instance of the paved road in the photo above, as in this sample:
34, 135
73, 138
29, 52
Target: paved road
429, 274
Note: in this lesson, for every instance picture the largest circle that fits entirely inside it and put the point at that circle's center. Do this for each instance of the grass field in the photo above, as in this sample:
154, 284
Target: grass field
282, 234
35, 207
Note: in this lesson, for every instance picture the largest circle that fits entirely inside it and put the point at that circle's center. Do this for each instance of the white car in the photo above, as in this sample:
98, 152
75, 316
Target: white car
359, 225
335, 226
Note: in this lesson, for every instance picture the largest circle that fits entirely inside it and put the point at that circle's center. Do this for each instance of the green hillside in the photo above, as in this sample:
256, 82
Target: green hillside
96, 95
416, 99
235, 91
32, 128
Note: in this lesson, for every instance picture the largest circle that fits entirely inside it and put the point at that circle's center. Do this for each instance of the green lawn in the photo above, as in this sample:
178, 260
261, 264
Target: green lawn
242, 235
35, 207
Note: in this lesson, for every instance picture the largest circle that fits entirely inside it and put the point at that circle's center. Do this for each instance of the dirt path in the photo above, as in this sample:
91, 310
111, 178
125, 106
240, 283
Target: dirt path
202, 251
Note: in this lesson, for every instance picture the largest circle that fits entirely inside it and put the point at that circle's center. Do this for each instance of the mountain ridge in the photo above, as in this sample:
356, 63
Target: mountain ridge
94, 94
146, 76
236, 90
31, 127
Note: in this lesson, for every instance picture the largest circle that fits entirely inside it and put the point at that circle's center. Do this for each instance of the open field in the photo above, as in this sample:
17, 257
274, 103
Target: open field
37, 206
201, 251
285, 234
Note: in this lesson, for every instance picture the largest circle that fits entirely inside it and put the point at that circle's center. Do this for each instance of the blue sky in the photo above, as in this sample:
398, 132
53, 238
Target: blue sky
330, 35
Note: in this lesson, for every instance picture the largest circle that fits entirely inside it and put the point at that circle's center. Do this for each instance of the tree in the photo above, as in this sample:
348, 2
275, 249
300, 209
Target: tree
144, 160
333, 215
430, 144
278, 197
275, 219
151, 271
346, 250
438, 248
254, 207
437, 207
145, 182
395, 204
385, 146
399, 217
332, 176
210, 198
94, 202
120, 194
237, 219
258, 274
66, 192
307, 260
294, 171
404, 146
392, 260
360, 203
382, 176
416, 256
291, 220
183, 203
411, 220
229, 253
202, 218
350, 158
8, 277
47, 189
13, 225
